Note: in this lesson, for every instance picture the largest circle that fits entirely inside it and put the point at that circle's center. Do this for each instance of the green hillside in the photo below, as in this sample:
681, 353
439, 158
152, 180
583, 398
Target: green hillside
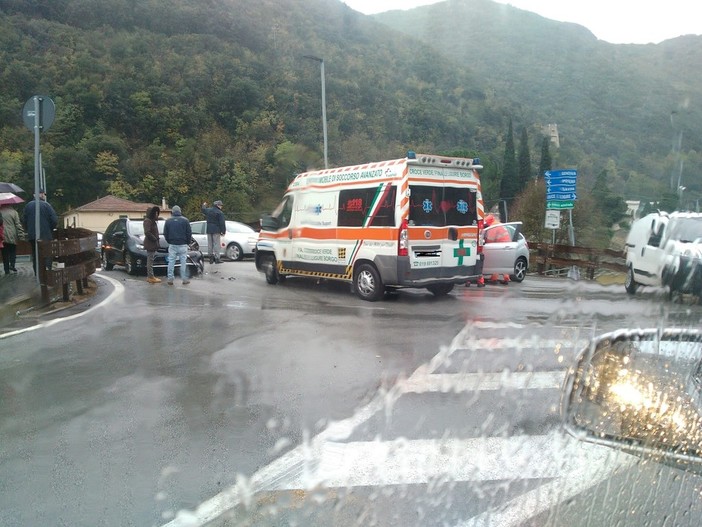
194, 100
616, 106
188, 100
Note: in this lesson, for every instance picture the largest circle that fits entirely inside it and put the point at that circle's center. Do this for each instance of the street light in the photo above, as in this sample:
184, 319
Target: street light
324, 106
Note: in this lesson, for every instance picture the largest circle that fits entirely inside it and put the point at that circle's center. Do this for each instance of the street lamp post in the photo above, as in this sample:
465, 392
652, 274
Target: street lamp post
324, 106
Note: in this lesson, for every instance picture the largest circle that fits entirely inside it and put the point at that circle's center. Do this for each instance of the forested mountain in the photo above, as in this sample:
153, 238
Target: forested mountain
620, 107
193, 99
196, 100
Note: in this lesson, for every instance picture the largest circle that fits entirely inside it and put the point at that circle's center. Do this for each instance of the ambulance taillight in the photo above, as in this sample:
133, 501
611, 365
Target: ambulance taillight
481, 226
402, 244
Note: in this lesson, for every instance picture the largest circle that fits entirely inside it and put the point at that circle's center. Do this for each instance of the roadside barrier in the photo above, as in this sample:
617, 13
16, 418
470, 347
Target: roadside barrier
73, 258
591, 261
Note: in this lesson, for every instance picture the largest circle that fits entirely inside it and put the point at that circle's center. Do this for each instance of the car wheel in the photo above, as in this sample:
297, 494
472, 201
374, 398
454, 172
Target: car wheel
234, 252
520, 269
629, 283
106, 265
367, 283
271, 271
129, 263
440, 289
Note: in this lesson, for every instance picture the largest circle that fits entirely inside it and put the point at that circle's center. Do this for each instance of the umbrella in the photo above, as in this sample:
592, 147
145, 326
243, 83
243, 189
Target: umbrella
9, 187
8, 198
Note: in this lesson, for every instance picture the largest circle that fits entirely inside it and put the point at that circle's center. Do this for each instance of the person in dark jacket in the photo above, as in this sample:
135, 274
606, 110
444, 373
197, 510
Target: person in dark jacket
178, 233
151, 239
48, 220
216, 228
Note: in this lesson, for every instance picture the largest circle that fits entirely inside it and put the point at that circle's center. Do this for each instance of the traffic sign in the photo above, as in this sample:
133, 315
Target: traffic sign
553, 219
560, 196
47, 112
559, 188
559, 205
549, 174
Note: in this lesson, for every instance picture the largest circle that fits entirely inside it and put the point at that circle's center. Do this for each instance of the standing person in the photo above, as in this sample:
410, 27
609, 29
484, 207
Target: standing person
48, 220
178, 233
151, 244
13, 233
216, 228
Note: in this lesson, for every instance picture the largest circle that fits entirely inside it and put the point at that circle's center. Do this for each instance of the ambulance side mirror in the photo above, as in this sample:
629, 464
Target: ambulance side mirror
269, 223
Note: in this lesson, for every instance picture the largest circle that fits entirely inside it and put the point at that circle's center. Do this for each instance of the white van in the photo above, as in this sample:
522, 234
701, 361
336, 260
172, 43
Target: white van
411, 222
665, 250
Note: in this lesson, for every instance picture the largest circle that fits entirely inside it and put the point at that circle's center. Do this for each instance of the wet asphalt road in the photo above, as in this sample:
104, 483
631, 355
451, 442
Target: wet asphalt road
160, 398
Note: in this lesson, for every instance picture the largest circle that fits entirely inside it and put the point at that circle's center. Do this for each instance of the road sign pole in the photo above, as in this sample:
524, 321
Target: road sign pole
37, 171
571, 230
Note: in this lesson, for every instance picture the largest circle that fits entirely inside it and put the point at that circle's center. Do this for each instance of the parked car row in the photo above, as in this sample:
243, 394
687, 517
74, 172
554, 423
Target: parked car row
505, 247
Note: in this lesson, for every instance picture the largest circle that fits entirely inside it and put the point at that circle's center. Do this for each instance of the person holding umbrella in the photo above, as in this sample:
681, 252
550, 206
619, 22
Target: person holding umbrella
13, 232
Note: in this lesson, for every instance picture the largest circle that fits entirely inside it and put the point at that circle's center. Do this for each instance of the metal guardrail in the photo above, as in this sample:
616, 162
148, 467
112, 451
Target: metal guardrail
556, 258
73, 259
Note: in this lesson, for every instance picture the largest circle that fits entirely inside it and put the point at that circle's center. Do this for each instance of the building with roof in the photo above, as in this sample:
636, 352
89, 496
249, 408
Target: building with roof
98, 214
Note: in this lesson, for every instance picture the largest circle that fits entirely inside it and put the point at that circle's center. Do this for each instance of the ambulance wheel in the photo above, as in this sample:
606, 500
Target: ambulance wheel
440, 289
367, 283
629, 283
271, 271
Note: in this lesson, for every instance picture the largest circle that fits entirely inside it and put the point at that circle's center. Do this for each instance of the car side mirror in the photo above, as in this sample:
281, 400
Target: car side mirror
269, 223
641, 392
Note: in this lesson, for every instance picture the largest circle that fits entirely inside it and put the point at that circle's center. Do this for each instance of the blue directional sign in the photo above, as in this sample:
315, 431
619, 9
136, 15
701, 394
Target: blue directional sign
565, 196
560, 188
550, 174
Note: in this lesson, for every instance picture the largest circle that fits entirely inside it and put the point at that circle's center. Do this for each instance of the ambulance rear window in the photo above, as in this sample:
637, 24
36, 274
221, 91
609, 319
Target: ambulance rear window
440, 206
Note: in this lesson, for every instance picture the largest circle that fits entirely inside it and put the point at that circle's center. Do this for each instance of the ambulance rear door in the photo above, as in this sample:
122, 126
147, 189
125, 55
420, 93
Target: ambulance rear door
443, 217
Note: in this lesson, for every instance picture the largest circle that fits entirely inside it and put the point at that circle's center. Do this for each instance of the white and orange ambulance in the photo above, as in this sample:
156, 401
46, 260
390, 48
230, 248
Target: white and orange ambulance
411, 222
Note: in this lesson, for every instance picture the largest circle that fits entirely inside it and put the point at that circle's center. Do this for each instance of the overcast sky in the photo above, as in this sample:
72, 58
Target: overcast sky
615, 21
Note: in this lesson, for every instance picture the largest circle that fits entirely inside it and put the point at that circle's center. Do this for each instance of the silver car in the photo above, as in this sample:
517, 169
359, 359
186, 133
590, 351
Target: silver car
506, 251
238, 241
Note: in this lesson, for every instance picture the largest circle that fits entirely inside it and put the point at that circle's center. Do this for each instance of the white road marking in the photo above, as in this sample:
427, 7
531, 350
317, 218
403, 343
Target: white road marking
118, 290
577, 478
400, 461
326, 458
462, 382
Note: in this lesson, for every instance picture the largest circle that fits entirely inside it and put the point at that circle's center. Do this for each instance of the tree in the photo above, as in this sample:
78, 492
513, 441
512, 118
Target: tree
524, 161
509, 186
546, 162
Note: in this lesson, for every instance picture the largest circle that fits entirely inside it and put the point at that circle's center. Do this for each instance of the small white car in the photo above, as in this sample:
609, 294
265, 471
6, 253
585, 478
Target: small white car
239, 240
506, 251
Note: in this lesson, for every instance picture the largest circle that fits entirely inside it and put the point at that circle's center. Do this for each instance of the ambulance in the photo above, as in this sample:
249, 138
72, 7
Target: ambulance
414, 222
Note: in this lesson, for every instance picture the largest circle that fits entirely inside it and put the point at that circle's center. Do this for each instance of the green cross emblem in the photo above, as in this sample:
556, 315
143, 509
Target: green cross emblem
460, 252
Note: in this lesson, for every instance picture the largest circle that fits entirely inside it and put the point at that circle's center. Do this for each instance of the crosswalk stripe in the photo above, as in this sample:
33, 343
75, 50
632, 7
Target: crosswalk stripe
464, 382
401, 461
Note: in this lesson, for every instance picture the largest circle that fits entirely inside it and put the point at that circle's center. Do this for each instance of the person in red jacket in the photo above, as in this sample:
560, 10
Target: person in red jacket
498, 234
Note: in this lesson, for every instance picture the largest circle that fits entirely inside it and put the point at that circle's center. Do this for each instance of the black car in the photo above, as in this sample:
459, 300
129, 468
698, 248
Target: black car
122, 244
